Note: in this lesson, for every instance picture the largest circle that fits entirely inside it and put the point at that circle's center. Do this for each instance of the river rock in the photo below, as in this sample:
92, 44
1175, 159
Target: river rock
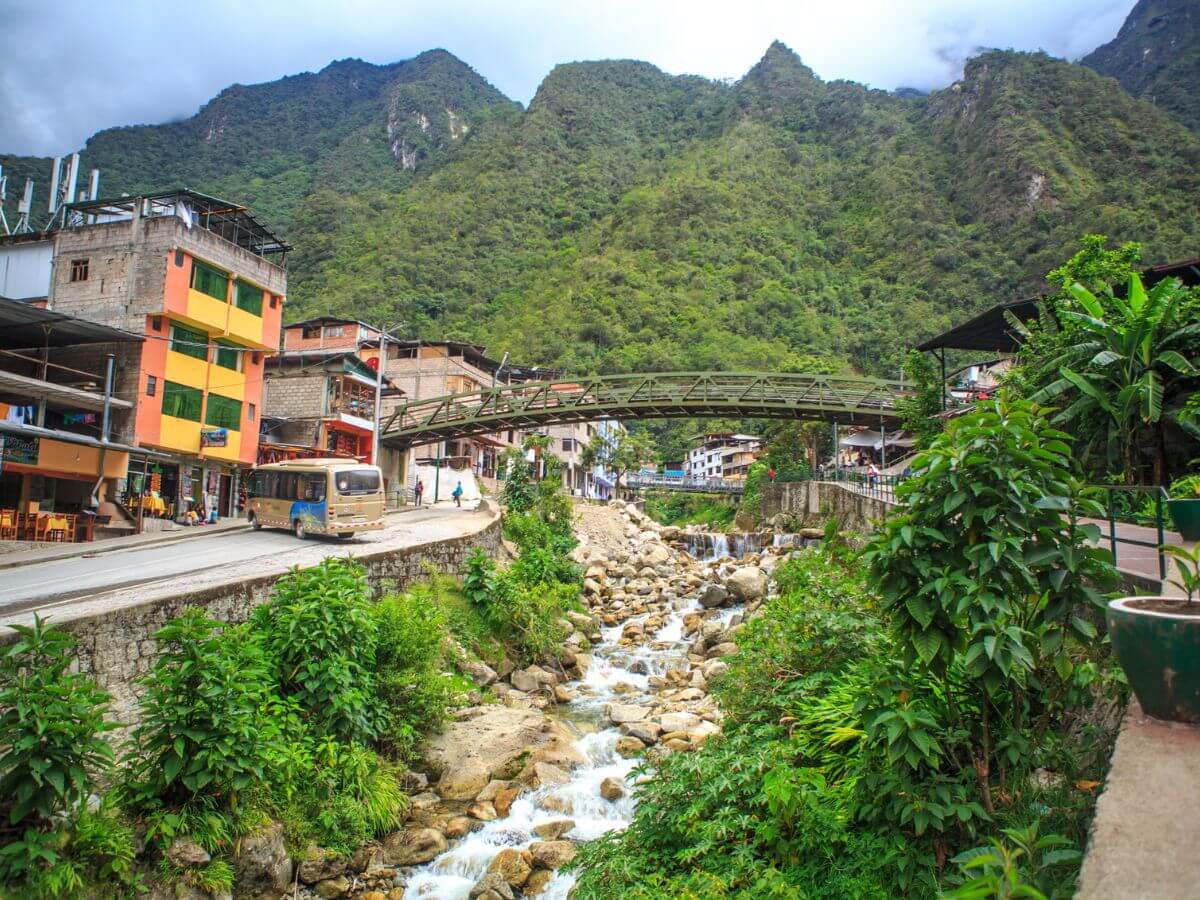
629, 746
714, 667
493, 787
262, 864
413, 846
320, 864
536, 883
646, 732
184, 854
547, 775
746, 584
483, 810
495, 742
332, 887
512, 865
459, 826
481, 673
551, 854
611, 789
620, 713
678, 721
492, 886
504, 801
725, 648
552, 831
558, 803
712, 596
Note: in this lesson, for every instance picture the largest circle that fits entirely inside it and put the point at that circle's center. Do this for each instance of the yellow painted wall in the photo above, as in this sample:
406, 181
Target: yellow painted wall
186, 370
77, 459
231, 452
179, 434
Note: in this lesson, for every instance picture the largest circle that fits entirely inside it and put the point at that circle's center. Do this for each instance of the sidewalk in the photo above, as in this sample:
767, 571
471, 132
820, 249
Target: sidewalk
53, 552
1142, 562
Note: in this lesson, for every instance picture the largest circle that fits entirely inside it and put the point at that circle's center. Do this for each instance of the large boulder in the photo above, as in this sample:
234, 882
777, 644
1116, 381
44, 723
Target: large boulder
184, 854
612, 789
512, 865
552, 854
552, 831
712, 596
746, 584
413, 846
678, 721
492, 886
262, 864
619, 713
492, 742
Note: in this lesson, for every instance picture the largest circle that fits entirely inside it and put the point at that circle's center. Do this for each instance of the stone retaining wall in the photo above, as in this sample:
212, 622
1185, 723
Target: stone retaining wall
118, 647
812, 502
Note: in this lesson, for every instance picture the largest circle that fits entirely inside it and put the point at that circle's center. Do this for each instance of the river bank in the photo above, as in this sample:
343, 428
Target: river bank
509, 789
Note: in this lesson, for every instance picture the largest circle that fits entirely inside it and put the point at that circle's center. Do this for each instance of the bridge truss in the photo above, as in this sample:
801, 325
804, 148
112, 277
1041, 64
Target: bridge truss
531, 405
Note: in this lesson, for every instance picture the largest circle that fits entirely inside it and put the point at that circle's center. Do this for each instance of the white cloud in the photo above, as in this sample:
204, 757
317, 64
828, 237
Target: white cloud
76, 66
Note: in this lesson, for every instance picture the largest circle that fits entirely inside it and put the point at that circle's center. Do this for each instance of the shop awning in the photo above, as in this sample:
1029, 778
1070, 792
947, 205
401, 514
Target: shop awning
69, 437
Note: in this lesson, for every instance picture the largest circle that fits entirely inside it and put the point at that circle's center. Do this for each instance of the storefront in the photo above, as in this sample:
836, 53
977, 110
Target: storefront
53, 483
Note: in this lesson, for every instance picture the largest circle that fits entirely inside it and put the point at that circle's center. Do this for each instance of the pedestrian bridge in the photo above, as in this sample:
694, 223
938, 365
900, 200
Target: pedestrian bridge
752, 395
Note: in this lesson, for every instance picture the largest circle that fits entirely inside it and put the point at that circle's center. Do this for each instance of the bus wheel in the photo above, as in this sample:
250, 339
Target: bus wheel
254, 523
298, 529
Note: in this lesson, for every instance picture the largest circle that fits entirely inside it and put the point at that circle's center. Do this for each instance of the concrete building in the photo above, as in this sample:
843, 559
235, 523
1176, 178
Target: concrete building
317, 403
708, 458
202, 281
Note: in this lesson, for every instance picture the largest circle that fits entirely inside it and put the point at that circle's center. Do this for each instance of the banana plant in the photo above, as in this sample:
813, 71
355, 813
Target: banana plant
1126, 361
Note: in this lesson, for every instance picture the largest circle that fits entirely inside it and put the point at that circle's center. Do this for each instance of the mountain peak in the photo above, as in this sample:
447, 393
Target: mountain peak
781, 60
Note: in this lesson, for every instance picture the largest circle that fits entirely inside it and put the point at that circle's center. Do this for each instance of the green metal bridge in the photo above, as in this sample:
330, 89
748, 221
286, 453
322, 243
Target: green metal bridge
533, 404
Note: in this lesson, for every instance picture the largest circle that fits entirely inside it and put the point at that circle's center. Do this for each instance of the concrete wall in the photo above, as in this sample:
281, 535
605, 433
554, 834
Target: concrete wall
118, 647
812, 502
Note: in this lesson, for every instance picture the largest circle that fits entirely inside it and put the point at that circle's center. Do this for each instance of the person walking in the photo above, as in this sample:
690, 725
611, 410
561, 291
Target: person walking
457, 495
420, 491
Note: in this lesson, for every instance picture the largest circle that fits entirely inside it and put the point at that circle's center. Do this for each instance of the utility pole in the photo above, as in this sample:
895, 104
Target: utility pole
380, 362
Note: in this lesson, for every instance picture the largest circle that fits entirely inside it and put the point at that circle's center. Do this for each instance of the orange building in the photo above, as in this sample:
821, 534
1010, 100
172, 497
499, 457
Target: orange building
204, 281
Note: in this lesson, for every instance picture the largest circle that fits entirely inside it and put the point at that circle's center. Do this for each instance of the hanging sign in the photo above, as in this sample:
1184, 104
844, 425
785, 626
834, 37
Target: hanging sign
218, 437
20, 450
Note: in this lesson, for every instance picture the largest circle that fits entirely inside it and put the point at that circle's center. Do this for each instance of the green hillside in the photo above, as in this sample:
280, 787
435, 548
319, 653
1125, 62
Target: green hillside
634, 220
1156, 56
353, 126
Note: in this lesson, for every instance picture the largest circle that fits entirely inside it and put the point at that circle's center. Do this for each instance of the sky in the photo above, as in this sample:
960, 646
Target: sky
69, 68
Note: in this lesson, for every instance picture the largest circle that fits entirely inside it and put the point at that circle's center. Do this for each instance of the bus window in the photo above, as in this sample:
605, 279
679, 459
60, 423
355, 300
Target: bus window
312, 487
357, 481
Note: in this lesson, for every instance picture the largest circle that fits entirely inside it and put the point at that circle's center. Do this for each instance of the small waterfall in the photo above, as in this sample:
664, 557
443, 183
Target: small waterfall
707, 546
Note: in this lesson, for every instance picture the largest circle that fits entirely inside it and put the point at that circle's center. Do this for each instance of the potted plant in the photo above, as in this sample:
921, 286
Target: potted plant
1157, 641
1184, 504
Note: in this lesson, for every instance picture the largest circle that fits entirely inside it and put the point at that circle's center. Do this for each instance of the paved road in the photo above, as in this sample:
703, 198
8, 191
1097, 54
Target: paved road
31, 586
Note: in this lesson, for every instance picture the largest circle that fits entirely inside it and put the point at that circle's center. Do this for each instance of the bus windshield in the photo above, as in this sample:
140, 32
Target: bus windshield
357, 481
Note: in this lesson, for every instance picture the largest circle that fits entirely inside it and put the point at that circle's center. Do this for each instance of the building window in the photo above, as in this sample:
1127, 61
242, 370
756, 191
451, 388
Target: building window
250, 412
568, 445
151, 384
179, 259
223, 412
510, 435
248, 297
335, 330
156, 323
228, 356
79, 270
311, 332
189, 341
181, 401
211, 281
274, 300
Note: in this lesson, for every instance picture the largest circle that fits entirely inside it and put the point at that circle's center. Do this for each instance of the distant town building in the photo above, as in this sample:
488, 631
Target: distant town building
713, 451
318, 403
202, 282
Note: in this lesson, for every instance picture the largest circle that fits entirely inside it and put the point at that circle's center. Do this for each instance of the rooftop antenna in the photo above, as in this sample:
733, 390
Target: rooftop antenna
3, 198
63, 180
23, 209
56, 171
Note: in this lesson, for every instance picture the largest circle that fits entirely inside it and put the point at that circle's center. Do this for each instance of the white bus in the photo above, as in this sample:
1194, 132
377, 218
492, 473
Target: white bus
316, 496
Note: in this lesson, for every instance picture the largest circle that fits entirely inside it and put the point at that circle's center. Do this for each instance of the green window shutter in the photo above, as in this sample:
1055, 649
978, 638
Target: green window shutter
209, 280
189, 341
248, 297
224, 412
181, 401
228, 356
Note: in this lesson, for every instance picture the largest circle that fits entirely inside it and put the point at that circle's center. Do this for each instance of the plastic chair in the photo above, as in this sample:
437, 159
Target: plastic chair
56, 529
8, 525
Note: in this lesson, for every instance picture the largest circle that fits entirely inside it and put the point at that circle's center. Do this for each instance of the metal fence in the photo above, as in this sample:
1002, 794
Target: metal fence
1120, 511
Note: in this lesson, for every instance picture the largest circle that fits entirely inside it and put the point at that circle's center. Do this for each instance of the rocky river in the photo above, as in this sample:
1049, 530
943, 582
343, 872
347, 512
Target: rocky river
511, 788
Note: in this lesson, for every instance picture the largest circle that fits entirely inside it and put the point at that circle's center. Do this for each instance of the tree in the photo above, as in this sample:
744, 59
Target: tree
620, 451
919, 412
1127, 361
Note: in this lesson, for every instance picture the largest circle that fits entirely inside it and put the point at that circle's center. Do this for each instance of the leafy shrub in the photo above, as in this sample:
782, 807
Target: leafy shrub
1023, 865
321, 637
527, 616
51, 728
212, 725
479, 579
411, 687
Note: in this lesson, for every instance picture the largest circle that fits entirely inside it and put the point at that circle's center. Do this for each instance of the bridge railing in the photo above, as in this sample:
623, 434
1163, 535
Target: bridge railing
696, 485
647, 395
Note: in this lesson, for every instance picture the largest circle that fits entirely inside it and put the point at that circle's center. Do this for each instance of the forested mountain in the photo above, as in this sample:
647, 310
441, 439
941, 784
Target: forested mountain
1156, 56
634, 220
353, 126
631, 219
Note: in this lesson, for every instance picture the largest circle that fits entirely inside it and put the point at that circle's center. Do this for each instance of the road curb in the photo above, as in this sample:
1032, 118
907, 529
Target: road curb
98, 548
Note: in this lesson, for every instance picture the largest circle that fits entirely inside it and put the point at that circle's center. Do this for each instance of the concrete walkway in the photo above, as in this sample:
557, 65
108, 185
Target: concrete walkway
1143, 838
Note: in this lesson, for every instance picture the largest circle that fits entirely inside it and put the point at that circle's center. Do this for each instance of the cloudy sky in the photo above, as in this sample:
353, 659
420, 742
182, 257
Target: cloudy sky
69, 68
